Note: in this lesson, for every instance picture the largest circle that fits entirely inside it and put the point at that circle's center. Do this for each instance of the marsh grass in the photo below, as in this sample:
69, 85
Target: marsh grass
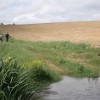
19, 83
14, 85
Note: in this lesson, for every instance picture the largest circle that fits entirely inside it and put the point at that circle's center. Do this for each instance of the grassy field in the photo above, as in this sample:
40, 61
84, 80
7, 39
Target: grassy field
37, 64
76, 32
61, 57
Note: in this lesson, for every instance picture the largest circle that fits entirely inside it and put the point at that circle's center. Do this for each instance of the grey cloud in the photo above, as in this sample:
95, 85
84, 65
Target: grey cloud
43, 11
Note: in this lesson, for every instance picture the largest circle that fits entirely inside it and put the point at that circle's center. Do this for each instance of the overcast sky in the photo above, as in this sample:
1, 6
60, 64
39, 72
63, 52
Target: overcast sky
45, 11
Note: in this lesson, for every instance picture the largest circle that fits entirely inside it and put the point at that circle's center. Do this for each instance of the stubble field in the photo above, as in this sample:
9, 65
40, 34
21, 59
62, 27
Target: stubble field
85, 32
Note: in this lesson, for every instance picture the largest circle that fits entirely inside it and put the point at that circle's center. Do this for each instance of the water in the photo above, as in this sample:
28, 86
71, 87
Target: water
73, 89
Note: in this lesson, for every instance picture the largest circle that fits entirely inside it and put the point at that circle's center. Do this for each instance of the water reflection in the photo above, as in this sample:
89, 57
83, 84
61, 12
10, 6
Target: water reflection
70, 88
91, 80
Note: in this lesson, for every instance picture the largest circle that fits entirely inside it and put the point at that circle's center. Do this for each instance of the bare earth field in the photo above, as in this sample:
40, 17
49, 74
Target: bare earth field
85, 32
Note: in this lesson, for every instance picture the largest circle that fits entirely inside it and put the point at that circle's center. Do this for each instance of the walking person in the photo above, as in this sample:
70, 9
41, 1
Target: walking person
7, 37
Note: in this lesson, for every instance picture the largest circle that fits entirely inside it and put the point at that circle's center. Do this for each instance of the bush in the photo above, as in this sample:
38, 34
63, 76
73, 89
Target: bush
2, 24
41, 72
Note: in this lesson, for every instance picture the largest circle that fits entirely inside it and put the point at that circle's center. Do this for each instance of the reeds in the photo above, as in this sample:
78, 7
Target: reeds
14, 82
19, 83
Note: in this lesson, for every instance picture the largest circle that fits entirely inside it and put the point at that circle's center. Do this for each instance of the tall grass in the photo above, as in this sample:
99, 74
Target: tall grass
18, 83
14, 82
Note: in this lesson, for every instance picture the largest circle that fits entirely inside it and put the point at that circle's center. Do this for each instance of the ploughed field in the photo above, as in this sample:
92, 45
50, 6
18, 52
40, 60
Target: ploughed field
85, 32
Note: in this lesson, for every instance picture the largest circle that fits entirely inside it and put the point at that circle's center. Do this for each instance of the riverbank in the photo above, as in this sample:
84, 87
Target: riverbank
47, 61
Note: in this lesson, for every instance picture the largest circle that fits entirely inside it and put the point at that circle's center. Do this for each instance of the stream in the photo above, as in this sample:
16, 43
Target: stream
70, 88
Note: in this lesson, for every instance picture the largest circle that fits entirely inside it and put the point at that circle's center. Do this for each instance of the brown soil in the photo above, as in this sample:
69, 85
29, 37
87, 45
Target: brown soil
88, 32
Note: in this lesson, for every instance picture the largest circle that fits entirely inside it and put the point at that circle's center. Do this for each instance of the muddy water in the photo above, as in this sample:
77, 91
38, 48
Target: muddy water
73, 89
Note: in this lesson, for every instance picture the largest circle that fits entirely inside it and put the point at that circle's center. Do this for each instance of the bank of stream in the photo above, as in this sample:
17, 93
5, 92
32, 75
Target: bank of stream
70, 88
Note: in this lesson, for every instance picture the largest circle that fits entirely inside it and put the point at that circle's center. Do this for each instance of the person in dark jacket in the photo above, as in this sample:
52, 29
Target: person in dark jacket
7, 37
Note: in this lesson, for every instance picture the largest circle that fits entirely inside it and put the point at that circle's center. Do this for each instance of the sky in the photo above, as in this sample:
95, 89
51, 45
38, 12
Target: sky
48, 11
